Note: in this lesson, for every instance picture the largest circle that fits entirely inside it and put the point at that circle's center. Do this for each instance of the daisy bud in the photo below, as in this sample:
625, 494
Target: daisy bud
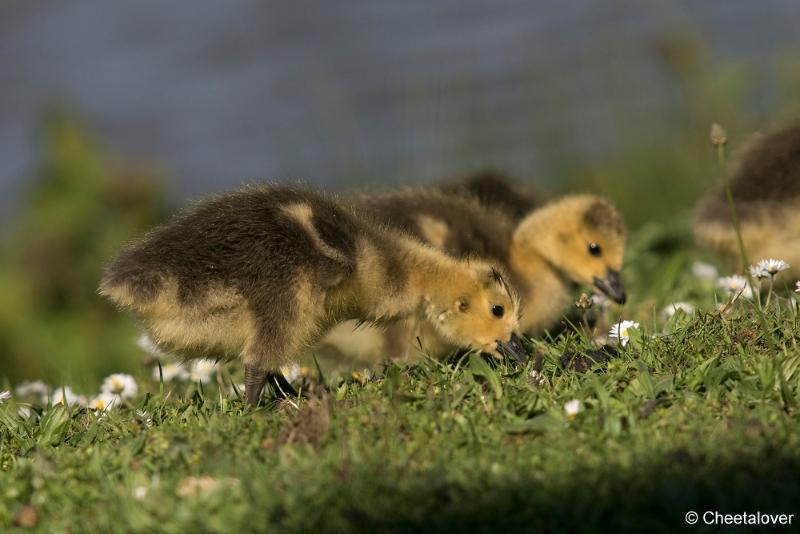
718, 135
584, 302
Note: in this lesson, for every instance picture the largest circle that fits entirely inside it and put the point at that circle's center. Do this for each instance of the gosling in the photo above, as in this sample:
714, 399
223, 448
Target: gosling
578, 239
263, 273
498, 191
765, 185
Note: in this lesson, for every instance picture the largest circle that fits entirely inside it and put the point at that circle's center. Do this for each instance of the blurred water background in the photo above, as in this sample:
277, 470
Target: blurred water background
112, 113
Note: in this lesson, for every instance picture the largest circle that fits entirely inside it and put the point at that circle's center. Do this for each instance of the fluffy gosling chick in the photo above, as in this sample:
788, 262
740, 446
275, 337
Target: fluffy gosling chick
766, 190
263, 273
515, 200
578, 239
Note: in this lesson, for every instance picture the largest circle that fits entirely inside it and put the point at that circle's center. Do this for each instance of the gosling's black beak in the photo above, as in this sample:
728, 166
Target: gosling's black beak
513, 349
611, 285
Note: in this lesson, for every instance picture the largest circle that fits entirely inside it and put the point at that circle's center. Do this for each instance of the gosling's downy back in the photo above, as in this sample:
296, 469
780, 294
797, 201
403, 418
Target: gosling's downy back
497, 190
766, 175
458, 225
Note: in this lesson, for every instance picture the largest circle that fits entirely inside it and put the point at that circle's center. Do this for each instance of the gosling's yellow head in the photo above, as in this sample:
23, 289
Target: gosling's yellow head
583, 237
479, 310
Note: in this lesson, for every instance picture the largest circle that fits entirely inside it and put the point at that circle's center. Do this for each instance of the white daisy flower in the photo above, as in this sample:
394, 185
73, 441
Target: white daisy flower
758, 272
685, 307
704, 271
103, 401
292, 372
621, 331
36, 388
202, 370
736, 284
4, 396
573, 408
139, 493
172, 371
772, 266
24, 412
121, 385
146, 344
65, 395
797, 287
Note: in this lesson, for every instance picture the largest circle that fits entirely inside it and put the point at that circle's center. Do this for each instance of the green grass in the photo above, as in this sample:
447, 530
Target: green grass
704, 416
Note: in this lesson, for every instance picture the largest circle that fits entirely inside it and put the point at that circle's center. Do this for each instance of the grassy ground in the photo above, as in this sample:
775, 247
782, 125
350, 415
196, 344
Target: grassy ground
696, 413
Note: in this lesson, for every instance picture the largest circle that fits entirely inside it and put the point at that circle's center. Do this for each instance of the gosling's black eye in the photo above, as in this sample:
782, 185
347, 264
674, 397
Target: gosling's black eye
594, 249
497, 310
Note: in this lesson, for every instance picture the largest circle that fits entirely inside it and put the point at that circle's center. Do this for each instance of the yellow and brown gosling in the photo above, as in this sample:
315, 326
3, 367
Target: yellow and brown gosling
578, 239
497, 190
575, 240
263, 273
765, 185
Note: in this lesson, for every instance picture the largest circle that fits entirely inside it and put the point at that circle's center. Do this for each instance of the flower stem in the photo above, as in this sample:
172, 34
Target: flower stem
735, 219
585, 324
734, 215
769, 294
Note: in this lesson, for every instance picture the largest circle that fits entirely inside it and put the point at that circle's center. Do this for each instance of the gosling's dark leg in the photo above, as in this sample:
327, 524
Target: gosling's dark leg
254, 380
283, 389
